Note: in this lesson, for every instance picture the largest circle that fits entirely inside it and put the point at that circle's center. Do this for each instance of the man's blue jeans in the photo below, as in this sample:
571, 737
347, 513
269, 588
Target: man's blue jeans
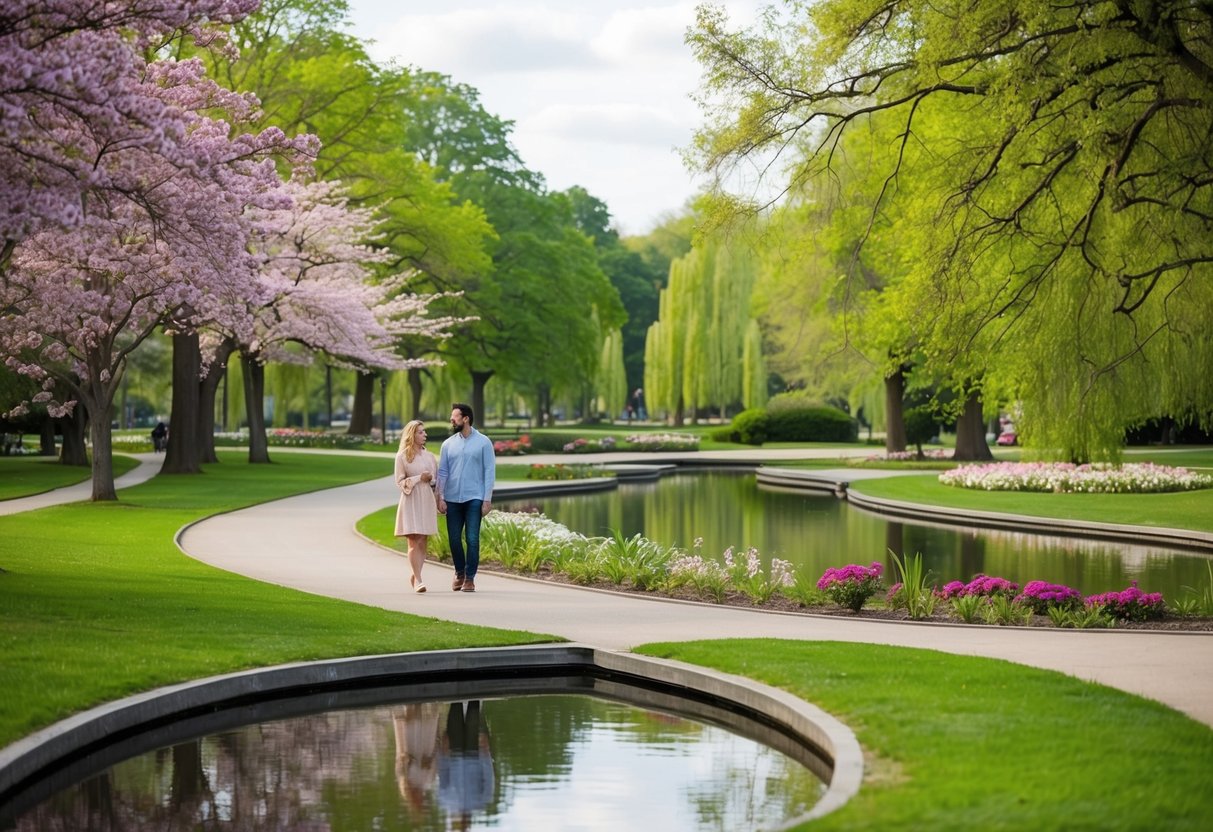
461, 517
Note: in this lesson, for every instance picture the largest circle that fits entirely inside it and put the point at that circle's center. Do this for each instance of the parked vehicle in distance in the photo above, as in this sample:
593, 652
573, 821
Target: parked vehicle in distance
1008, 437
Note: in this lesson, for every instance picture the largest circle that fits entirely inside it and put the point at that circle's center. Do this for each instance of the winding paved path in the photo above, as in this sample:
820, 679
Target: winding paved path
309, 543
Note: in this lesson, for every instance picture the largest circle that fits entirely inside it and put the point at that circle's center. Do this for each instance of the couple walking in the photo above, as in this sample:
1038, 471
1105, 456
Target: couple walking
458, 485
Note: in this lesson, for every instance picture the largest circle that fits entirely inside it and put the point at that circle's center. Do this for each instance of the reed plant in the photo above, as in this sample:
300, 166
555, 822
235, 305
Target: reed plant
1002, 610
916, 593
968, 608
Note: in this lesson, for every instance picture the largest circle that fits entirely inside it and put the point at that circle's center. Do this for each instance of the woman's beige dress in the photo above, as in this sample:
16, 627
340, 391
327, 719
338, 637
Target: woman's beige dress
418, 509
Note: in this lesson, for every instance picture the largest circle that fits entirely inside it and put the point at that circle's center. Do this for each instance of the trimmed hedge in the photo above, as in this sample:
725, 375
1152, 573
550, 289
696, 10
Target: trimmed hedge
811, 424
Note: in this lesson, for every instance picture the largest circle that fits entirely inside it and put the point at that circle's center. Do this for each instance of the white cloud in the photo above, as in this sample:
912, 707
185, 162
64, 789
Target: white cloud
614, 123
496, 40
599, 91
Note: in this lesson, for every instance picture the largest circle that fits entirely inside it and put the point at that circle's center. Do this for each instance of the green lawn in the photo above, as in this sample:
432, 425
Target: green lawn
966, 744
96, 602
22, 476
1182, 510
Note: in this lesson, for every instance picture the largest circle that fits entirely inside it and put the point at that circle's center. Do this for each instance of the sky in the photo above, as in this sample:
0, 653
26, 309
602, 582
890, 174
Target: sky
599, 90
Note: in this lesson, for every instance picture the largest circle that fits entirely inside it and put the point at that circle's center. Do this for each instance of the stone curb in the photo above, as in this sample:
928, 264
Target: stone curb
806, 724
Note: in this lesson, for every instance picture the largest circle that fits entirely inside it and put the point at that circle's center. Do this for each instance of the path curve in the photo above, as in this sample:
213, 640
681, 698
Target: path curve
309, 543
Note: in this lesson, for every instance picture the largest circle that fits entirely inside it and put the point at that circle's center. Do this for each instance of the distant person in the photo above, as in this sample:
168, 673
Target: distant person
466, 471
465, 764
638, 402
160, 437
417, 512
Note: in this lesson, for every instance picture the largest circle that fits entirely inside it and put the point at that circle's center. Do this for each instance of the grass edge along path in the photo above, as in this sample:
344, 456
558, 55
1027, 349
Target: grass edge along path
25, 476
962, 743
97, 602
1174, 510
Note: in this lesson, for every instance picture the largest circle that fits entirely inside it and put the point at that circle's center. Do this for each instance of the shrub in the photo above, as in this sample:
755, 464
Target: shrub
852, 585
810, 424
751, 426
725, 433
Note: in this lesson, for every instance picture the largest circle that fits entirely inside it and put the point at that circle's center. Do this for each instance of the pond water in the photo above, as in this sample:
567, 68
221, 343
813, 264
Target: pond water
815, 532
550, 761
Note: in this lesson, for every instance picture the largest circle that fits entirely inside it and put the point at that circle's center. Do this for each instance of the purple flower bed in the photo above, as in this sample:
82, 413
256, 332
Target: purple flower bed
851, 585
1040, 595
985, 585
1130, 604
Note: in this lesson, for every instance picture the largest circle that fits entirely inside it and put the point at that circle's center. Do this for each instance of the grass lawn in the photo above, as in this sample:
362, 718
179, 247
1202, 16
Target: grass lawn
22, 476
957, 743
1181, 510
96, 602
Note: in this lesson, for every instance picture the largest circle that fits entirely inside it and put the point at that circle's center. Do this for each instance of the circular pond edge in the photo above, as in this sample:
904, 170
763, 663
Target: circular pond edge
32, 758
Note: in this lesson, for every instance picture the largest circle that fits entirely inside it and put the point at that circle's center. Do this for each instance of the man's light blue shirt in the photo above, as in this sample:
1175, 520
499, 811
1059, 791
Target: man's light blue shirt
467, 468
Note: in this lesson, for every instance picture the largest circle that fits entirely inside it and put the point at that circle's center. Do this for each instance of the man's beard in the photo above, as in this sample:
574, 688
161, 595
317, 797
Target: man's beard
456, 428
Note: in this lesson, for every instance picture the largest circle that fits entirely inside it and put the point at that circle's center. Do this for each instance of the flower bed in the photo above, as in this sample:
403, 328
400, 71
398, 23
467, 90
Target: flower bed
910, 456
531, 543
581, 445
512, 447
663, 442
560, 471
297, 438
1067, 478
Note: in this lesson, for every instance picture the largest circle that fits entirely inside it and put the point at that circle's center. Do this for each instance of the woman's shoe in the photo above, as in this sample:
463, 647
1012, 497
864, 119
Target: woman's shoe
420, 587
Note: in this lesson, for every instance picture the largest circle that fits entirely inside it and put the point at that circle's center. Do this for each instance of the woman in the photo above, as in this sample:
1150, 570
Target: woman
417, 514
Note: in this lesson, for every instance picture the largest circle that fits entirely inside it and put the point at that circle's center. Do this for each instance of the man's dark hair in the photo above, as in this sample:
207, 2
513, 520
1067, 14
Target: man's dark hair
465, 410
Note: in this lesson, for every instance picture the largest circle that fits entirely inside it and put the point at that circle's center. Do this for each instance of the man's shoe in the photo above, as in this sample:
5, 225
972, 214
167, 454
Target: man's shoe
469, 585
457, 584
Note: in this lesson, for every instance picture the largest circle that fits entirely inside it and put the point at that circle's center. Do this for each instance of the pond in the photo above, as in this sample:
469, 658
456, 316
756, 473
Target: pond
545, 761
815, 532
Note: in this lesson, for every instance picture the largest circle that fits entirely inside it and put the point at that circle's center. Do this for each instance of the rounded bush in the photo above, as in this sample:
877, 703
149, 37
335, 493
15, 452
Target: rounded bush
811, 424
751, 426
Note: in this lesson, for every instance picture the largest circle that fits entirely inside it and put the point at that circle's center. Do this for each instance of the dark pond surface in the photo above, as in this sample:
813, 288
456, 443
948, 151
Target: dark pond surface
817, 532
551, 761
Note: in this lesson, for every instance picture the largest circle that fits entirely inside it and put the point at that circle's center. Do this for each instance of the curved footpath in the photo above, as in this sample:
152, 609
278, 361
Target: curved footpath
309, 543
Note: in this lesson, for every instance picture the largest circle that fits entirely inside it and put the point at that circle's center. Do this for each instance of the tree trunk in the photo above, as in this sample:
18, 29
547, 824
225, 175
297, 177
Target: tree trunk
364, 405
414, 376
74, 451
208, 391
894, 409
103, 460
47, 437
480, 378
181, 456
254, 399
971, 432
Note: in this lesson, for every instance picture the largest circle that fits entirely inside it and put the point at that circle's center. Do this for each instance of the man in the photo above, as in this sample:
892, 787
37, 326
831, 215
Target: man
466, 470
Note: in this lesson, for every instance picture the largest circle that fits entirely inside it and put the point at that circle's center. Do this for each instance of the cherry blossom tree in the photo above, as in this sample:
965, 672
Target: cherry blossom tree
152, 227
318, 289
74, 92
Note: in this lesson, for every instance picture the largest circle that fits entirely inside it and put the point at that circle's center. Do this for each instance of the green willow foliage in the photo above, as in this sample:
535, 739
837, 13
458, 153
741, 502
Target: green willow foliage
696, 352
1044, 165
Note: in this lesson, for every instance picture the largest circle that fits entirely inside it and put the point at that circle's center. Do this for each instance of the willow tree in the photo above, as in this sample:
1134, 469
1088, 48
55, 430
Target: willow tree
612, 381
696, 349
1074, 236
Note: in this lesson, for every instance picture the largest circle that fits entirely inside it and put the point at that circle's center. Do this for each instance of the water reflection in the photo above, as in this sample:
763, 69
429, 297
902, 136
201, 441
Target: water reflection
525, 762
818, 531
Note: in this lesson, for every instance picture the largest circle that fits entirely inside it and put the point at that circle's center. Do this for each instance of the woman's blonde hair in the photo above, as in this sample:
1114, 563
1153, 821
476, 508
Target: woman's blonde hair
408, 439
